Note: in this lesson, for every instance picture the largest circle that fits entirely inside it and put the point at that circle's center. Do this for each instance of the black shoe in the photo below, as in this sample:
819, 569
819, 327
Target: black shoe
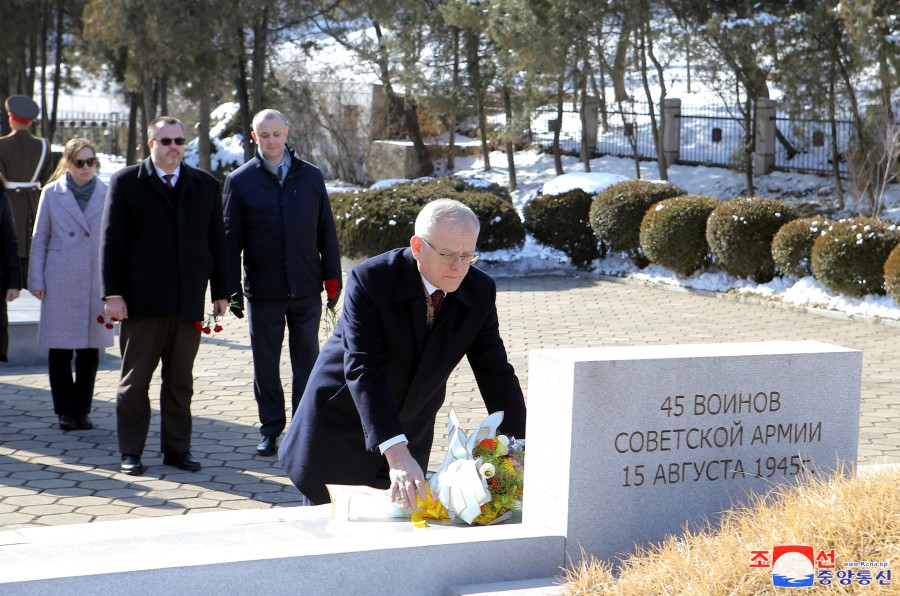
67, 422
131, 465
268, 445
84, 422
183, 461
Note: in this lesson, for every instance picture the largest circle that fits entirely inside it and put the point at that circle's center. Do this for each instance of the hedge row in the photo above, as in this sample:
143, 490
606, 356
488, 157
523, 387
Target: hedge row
755, 238
370, 222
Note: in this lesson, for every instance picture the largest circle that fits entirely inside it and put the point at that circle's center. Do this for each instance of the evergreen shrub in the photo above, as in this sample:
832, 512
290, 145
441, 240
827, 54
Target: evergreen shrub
850, 257
740, 232
561, 221
793, 242
892, 274
673, 233
369, 222
617, 211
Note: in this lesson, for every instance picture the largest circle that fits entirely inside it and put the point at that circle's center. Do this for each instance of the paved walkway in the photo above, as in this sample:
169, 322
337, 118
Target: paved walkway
48, 477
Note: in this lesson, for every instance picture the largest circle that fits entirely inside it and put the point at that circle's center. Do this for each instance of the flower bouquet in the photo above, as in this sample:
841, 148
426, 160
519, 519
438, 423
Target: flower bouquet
481, 479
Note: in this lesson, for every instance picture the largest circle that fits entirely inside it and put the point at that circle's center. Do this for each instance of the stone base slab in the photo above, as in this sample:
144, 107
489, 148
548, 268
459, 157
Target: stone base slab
288, 550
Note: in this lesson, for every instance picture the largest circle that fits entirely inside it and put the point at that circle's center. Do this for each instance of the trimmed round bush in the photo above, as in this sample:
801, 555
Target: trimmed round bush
561, 221
892, 274
740, 232
617, 211
850, 257
793, 242
673, 233
369, 222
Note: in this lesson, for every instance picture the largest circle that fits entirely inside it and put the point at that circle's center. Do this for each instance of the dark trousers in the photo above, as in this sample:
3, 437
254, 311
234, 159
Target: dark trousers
267, 319
144, 342
72, 397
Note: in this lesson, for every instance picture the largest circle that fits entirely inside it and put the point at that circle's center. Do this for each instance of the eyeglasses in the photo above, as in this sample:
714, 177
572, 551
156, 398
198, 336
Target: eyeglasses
80, 163
166, 141
451, 258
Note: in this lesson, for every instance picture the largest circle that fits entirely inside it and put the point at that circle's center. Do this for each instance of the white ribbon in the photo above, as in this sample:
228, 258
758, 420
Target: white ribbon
460, 485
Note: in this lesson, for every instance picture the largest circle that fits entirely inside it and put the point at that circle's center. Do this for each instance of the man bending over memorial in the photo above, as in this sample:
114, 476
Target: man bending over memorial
368, 413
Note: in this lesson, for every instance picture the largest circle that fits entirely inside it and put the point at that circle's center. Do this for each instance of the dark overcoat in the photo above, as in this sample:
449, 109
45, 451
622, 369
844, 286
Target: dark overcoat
20, 156
382, 374
10, 268
159, 251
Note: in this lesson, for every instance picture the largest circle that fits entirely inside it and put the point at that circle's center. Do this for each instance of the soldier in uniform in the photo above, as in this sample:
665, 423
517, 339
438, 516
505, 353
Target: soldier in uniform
25, 164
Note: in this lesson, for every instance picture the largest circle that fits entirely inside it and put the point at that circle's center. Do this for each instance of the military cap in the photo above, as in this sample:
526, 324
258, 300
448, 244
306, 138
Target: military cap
22, 107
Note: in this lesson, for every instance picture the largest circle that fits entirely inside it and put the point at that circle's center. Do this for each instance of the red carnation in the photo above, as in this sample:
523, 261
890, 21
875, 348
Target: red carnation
207, 330
217, 328
331, 288
110, 325
100, 319
198, 325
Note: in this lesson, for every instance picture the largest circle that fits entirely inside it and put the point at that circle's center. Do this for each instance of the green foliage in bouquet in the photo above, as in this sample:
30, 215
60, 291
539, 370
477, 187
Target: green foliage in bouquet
370, 222
850, 257
740, 232
503, 465
673, 233
792, 244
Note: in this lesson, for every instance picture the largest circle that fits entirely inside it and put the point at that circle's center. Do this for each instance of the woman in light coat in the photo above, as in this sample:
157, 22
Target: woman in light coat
64, 275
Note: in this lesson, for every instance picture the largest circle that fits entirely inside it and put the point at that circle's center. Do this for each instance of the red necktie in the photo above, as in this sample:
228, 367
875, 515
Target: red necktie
437, 298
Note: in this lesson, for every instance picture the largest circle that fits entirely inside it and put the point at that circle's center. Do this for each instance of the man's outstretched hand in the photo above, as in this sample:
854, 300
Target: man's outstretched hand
407, 479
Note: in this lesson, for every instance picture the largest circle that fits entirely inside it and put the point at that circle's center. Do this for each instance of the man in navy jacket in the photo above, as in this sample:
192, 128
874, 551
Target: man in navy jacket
278, 215
410, 315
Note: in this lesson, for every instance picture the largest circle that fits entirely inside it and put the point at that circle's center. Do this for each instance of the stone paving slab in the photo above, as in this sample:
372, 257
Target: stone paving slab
50, 477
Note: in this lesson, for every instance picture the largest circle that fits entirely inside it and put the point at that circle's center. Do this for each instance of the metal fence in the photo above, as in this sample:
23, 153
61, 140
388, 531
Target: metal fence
808, 144
108, 131
709, 136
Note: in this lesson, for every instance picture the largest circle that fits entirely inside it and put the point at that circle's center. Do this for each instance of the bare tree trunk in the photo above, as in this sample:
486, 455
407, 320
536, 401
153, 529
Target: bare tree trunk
131, 144
164, 95
57, 67
45, 18
748, 145
557, 156
582, 86
619, 62
454, 105
260, 45
203, 143
240, 85
31, 65
858, 123
510, 146
473, 60
656, 128
399, 104
835, 154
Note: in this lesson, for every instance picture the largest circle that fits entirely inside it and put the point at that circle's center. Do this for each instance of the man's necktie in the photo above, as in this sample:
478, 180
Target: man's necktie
281, 174
437, 298
168, 178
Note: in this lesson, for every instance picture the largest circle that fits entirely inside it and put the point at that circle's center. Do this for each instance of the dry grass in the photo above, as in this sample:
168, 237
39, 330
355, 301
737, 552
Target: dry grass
858, 517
